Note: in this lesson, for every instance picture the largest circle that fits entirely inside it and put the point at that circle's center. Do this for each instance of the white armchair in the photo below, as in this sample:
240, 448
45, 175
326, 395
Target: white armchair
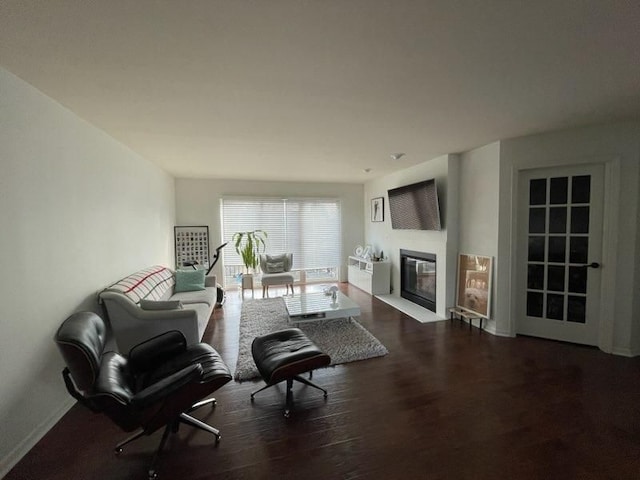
276, 270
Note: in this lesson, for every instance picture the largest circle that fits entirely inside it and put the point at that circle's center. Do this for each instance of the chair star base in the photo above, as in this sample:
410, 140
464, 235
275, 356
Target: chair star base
171, 428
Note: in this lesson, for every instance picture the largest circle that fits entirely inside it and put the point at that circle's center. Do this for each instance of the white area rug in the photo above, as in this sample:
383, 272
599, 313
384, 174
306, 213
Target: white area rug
343, 339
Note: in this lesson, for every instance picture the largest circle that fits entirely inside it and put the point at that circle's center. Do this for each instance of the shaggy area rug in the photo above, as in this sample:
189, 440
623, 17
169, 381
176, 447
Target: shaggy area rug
343, 339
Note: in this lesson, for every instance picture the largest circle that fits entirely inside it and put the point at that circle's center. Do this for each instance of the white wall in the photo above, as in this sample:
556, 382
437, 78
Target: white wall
478, 232
198, 203
382, 237
78, 211
617, 146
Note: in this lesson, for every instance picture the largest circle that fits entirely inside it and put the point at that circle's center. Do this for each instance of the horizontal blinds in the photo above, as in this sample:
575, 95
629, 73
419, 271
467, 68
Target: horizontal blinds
246, 215
307, 227
313, 233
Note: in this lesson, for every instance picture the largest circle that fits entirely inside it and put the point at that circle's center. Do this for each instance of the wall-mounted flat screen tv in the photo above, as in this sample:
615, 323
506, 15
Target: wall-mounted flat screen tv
415, 206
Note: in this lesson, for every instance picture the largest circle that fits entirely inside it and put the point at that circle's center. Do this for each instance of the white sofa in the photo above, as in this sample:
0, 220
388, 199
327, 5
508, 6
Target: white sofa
144, 304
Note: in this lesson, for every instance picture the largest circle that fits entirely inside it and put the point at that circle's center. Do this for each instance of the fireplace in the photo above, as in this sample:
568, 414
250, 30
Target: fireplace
418, 278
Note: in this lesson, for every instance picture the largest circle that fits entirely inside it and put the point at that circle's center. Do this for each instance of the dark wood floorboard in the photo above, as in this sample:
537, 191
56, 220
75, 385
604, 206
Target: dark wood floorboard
446, 403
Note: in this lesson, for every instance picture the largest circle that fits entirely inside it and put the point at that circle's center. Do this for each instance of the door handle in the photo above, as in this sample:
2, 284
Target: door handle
591, 265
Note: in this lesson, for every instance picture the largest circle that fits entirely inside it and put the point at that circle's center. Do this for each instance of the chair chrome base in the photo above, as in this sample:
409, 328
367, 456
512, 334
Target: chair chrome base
172, 427
202, 403
289, 397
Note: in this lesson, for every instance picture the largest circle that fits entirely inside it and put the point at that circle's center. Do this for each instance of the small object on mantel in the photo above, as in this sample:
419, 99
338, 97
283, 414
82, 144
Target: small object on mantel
378, 258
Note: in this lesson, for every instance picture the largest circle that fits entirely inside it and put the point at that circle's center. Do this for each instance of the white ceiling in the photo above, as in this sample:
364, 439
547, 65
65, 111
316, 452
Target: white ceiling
319, 90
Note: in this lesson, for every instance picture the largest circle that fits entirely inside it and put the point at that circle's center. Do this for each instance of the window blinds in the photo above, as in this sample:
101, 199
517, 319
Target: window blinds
310, 228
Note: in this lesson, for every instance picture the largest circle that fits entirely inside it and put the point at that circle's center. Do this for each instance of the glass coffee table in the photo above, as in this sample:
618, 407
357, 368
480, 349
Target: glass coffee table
315, 306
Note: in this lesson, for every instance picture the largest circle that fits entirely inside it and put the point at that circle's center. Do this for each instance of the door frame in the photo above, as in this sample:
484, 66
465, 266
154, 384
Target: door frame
609, 245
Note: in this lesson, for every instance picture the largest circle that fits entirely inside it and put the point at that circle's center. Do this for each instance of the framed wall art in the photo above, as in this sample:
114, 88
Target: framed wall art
192, 246
474, 284
377, 209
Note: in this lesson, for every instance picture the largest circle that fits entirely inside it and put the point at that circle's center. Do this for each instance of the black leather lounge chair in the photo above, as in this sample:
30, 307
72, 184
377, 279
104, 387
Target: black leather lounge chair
156, 386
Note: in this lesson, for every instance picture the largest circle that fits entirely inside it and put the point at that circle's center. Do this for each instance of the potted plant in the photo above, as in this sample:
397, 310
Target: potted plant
248, 246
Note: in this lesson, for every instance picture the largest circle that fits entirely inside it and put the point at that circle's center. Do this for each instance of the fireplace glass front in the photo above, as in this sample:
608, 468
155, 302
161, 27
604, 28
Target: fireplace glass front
418, 278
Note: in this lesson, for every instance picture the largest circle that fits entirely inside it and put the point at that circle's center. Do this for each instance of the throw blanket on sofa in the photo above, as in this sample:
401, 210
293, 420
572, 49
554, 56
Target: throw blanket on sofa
148, 284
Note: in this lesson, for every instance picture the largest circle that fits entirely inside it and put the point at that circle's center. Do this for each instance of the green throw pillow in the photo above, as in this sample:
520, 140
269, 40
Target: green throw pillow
189, 280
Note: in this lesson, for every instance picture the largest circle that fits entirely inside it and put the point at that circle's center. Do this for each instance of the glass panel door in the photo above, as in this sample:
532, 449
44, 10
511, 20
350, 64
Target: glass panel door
560, 218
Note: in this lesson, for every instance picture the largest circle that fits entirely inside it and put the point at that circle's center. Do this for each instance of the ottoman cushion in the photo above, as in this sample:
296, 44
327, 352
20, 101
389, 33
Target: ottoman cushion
285, 354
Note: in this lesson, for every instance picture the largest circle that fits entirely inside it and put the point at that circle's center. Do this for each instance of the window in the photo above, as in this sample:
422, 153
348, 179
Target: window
307, 227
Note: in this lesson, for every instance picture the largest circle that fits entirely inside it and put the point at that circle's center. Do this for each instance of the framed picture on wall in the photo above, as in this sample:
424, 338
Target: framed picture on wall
377, 209
474, 284
192, 246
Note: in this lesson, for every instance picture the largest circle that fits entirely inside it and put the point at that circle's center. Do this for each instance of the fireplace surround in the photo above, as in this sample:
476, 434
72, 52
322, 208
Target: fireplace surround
418, 278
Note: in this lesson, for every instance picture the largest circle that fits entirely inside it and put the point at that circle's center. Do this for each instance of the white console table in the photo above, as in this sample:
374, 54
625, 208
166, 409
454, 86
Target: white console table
372, 277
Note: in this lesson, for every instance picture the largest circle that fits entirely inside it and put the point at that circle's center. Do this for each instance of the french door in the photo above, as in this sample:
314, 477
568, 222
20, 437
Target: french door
559, 252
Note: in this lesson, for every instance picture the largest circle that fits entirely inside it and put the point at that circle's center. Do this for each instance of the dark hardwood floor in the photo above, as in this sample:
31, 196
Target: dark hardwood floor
445, 403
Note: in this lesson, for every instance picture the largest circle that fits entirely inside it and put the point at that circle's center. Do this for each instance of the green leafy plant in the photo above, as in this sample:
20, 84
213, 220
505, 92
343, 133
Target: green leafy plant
248, 246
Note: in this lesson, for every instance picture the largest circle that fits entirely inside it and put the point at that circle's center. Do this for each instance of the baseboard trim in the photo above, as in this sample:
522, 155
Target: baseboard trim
20, 450
624, 352
490, 329
500, 333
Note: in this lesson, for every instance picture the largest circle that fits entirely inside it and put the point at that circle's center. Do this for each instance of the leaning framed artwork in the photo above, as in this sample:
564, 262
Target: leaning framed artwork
377, 209
474, 284
192, 246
